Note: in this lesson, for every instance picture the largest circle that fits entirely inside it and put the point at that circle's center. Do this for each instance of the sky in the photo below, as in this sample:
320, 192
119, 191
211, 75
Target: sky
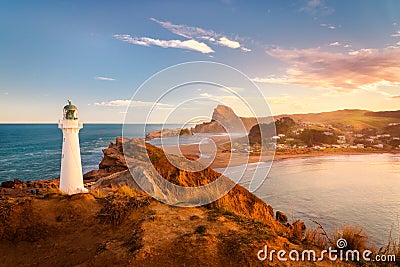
304, 56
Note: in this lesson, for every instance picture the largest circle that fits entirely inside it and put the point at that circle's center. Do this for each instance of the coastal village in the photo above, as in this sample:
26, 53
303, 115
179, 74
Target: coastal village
336, 138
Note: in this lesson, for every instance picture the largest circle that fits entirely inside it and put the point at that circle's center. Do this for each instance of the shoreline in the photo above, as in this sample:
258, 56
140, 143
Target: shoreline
332, 153
223, 159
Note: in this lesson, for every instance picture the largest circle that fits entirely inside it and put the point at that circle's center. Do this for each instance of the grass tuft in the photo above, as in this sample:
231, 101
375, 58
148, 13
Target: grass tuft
119, 204
354, 235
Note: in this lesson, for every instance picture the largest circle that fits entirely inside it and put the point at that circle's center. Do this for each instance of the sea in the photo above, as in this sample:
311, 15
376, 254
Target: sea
33, 151
337, 190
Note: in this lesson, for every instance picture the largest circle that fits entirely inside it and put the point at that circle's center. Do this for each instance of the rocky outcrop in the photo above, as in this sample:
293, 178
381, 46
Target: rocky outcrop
224, 114
17, 187
225, 120
281, 217
113, 161
169, 133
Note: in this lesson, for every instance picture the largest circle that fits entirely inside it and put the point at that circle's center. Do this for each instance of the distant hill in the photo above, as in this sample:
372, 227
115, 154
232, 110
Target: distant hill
349, 118
386, 114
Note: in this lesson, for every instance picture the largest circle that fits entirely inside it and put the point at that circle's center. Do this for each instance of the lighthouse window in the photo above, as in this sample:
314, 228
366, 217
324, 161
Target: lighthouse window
62, 155
64, 139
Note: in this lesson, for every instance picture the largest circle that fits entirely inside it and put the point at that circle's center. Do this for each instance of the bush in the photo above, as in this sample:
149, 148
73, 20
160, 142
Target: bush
201, 229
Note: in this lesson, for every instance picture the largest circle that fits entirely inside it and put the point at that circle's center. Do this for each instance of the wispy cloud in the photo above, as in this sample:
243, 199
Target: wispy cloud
335, 44
198, 33
102, 78
339, 44
146, 41
245, 49
316, 7
396, 96
329, 26
359, 69
397, 34
126, 103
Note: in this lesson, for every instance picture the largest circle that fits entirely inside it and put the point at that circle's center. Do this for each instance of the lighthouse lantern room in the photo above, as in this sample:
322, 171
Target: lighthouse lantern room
71, 179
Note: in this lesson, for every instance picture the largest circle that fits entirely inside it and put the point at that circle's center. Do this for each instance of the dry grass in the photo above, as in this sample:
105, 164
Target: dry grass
355, 236
127, 191
98, 193
314, 237
119, 204
392, 247
357, 239
5, 209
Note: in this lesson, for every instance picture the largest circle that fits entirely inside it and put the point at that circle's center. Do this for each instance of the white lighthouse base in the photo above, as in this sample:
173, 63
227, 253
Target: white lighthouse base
74, 191
71, 178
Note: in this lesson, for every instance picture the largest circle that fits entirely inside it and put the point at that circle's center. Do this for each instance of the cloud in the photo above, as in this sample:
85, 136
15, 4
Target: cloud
126, 103
329, 26
335, 44
146, 41
396, 96
397, 34
101, 78
316, 7
197, 33
364, 69
228, 43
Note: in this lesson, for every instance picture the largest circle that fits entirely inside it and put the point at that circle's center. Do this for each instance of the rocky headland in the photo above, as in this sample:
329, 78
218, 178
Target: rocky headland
225, 120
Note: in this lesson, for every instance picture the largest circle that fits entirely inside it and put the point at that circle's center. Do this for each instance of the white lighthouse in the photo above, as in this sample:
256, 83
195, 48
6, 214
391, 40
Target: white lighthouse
71, 179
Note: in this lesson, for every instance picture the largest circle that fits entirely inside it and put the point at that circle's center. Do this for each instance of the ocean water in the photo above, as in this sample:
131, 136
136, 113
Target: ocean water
358, 190
33, 151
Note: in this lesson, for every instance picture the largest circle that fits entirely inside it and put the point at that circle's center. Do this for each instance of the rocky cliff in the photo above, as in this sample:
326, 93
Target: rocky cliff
225, 120
113, 171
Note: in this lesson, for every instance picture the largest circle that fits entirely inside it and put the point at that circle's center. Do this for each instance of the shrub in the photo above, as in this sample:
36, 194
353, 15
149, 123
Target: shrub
201, 229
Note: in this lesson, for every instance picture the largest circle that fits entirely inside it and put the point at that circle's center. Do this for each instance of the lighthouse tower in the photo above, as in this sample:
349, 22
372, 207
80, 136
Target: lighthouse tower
71, 179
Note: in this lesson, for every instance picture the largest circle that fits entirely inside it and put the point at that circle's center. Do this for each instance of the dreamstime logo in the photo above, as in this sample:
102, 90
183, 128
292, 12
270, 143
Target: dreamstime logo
341, 243
329, 254
187, 93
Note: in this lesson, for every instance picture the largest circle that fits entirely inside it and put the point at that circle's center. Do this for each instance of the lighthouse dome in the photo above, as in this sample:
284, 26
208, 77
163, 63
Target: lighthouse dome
70, 111
70, 106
